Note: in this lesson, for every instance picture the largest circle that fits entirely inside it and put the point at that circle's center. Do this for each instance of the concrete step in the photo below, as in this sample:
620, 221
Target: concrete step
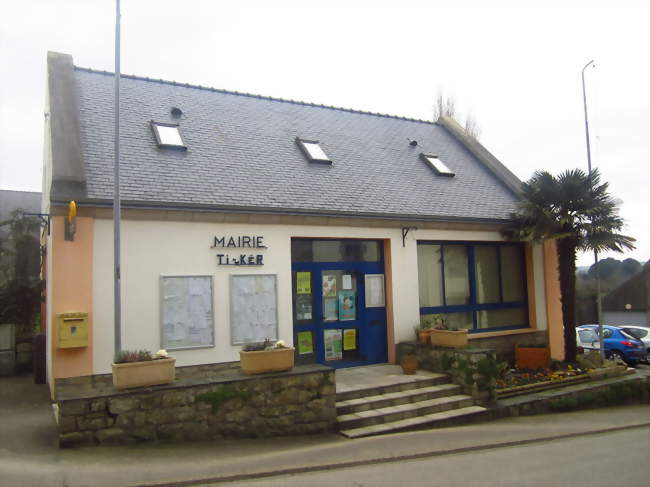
403, 411
395, 398
415, 382
442, 418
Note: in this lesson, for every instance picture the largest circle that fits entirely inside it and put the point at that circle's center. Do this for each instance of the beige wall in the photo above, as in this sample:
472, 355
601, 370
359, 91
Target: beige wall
154, 248
71, 283
553, 300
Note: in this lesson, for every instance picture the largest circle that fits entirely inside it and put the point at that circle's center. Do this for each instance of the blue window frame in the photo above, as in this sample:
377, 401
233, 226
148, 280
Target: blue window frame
480, 286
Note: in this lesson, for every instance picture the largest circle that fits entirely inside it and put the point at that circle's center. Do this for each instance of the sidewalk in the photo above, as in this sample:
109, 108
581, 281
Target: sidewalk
28, 456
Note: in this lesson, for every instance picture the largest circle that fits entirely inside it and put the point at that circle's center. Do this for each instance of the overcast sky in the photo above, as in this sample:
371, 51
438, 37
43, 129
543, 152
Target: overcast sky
515, 66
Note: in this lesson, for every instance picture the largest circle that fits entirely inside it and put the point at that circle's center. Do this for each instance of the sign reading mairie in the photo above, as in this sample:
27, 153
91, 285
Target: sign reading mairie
239, 242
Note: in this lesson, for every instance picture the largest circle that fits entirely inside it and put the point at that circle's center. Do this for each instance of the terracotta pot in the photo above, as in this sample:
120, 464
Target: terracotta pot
276, 360
424, 336
534, 358
409, 364
142, 374
448, 338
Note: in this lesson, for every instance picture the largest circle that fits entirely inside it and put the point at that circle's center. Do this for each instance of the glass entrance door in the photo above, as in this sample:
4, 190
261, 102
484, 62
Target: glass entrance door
339, 307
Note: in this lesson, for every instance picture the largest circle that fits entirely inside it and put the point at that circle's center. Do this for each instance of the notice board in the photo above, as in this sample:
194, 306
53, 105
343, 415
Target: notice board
253, 308
186, 312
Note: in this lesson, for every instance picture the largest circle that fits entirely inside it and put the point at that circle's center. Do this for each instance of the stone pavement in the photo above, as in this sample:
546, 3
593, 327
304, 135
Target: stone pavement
377, 376
29, 457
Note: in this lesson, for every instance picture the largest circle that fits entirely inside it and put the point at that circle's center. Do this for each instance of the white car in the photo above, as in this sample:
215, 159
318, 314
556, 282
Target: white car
642, 333
587, 338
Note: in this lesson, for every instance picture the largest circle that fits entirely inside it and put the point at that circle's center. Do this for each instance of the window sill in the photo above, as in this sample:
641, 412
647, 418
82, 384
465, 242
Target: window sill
489, 334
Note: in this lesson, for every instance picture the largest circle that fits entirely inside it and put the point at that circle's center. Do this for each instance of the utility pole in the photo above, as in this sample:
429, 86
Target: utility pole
116, 191
598, 300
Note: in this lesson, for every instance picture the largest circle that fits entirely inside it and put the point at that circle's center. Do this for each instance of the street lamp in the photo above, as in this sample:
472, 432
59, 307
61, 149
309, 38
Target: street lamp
598, 301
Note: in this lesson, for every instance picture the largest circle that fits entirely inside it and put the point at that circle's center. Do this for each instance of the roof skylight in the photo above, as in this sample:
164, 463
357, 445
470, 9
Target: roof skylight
168, 135
438, 166
313, 150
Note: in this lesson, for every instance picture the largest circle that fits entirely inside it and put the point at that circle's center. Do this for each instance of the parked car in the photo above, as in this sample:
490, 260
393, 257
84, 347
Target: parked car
586, 340
642, 333
618, 344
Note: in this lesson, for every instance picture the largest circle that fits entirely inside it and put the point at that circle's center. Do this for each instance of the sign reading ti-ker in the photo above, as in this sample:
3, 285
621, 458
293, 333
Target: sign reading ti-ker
239, 242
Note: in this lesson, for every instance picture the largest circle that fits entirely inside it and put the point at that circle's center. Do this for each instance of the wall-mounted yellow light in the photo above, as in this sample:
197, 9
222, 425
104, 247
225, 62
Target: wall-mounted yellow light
71, 221
72, 210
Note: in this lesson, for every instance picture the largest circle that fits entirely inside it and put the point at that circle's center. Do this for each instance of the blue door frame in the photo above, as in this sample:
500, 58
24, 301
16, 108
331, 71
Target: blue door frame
370, 322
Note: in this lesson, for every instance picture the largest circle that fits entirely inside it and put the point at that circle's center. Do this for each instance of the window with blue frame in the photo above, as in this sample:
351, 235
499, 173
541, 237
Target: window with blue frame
478, 286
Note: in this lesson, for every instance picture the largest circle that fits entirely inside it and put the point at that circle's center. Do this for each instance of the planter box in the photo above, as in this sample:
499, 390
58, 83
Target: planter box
540, 386
534, 358
262, 361
448, 338
141, 374
609, 372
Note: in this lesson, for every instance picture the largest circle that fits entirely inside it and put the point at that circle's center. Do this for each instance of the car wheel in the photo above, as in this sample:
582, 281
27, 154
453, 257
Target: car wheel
616, 355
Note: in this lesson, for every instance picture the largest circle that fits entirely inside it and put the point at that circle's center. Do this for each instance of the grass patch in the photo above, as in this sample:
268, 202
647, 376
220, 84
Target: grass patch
221, 395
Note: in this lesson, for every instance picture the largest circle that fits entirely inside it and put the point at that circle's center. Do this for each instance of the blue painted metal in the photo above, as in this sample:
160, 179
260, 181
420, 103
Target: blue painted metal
370, 322
473, 306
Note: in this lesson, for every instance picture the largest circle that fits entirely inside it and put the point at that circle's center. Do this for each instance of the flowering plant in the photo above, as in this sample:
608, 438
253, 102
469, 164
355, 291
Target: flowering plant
128, 356
267, 345
162, 353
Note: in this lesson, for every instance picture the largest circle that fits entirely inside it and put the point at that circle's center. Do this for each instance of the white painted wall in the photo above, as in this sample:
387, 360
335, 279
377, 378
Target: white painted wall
154, 248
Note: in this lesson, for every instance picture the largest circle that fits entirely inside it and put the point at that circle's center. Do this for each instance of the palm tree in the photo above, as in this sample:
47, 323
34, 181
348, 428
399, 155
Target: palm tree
576, 210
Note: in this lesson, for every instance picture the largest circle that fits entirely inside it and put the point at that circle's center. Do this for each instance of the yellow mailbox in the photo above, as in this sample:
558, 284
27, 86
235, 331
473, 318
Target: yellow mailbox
73, 330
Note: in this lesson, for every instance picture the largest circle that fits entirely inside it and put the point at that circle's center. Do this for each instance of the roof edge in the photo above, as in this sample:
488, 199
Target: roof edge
67, 161
252, 95
126, 204
507, 177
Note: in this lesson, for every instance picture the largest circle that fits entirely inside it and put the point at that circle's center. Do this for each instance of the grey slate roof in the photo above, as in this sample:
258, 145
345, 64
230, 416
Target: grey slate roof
242, 154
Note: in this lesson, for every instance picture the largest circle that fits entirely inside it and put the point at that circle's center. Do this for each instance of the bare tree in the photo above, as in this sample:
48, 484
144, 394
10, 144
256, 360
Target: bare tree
471, 127
445, 105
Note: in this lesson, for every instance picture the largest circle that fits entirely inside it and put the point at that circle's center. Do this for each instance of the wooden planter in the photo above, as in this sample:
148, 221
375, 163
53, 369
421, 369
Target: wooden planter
276, 360
448, 338
141, 374
533, 358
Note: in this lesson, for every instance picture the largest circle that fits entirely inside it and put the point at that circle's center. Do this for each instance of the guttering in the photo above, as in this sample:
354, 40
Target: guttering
158, 206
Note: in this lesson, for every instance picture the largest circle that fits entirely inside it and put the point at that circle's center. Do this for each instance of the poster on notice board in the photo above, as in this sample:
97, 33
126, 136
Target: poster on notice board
350, 339
329, 286
330, 311
333, 344
303, 282
305, 343
303, 307
347, 306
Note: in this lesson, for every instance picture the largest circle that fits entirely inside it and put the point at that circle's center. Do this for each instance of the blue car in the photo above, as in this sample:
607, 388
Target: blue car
619, 344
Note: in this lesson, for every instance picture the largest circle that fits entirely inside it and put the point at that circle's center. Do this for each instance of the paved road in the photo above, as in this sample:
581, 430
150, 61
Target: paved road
618, 458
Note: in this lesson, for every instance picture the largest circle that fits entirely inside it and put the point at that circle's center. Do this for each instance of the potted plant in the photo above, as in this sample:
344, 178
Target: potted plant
139, 368
409, 364
258, 358
423, 331
533, 357
443, 335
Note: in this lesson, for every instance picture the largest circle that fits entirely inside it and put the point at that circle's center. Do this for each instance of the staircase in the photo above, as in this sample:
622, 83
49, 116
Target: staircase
425, 400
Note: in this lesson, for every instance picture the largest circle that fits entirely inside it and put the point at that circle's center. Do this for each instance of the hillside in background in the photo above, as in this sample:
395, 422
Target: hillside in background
612, 273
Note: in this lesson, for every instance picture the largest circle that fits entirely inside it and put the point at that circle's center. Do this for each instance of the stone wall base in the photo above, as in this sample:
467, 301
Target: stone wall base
504, 346
291, 403
470, 368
